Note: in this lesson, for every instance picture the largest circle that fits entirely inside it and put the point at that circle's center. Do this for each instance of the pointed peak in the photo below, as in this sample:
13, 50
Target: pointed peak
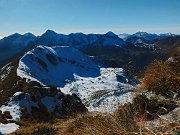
111, 34
50, 32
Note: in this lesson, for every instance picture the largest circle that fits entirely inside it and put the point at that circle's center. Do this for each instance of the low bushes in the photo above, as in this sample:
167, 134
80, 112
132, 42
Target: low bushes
161, 78
151, 107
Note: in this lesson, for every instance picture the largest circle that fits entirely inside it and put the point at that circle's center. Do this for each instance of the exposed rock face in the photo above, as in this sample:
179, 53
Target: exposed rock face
58, 103
42, 104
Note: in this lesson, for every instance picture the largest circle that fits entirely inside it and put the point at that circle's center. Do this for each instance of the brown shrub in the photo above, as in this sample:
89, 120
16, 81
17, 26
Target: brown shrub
124, 116
119, 122
140, 103
161, 79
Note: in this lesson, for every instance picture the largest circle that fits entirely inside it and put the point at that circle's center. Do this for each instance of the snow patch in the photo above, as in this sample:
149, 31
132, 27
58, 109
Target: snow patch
8, 128
5, 72
15, 104
104, 92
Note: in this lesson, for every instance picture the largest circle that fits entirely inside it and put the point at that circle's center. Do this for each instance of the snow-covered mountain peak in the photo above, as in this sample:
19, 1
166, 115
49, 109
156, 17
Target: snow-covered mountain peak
111, 34
144, 38
45, 63
74, 72
112, 40
49, 33
145, 35
141, 33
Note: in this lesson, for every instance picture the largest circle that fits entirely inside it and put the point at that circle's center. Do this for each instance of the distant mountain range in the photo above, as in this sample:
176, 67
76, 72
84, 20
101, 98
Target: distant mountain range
14, 44
144, 38
91, 44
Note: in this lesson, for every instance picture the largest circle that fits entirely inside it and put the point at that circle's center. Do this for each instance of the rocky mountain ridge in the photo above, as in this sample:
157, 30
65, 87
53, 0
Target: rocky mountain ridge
92, 44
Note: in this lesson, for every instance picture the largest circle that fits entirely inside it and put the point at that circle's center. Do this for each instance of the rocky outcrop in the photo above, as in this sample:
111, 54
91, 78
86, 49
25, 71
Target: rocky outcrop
42, 104
58, 103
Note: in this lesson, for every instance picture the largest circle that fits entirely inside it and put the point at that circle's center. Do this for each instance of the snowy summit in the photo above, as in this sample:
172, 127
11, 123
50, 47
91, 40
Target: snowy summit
74, 72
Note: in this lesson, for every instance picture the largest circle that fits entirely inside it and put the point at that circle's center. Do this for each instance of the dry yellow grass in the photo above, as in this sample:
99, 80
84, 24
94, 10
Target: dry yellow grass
86, 124
94, 124
28, 127
161, 78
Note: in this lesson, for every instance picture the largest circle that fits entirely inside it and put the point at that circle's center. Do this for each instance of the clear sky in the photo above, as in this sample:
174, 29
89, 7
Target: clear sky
89, 16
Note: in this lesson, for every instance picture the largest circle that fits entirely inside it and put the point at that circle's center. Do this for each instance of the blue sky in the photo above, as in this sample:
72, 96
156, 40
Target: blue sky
89, 16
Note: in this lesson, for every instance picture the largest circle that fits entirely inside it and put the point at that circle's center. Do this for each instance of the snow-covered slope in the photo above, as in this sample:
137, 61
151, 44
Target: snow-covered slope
98, 87
53, 65
14, 108
15, 103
